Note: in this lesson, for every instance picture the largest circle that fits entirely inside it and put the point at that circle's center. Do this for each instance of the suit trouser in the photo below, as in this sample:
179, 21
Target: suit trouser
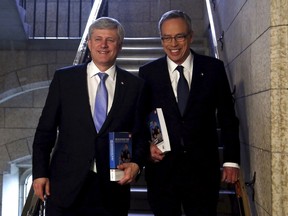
183, 189
171, 204
92, 201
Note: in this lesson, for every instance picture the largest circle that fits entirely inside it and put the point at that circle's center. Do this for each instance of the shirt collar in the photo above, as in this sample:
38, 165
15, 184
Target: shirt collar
93, 70
187, 64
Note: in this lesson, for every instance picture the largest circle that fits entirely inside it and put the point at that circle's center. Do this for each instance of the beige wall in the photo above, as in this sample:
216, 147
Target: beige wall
256, 56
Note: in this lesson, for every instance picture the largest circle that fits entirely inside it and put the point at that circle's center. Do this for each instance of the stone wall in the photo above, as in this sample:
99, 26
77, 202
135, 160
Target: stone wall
255, 52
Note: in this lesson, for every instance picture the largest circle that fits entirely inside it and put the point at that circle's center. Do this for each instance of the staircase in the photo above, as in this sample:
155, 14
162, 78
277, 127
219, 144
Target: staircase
138, 51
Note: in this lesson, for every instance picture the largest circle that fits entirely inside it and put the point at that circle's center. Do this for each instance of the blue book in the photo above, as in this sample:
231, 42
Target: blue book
120, 151
158, 130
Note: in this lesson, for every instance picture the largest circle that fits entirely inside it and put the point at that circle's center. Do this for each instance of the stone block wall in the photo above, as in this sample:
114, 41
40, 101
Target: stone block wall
255, 52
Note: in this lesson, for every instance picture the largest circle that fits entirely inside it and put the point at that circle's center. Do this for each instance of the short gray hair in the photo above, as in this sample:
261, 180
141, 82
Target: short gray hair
175, 14
107, 23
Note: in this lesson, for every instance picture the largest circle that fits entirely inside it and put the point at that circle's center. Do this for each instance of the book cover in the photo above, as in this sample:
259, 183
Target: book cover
120, 151
158, 130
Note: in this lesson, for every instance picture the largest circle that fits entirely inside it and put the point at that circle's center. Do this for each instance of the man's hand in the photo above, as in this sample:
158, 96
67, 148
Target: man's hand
130, 172
41, 187
156, 154
230, 175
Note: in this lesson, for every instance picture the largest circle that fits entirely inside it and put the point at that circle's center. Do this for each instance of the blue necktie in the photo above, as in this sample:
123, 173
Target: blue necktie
101, 102
182, 90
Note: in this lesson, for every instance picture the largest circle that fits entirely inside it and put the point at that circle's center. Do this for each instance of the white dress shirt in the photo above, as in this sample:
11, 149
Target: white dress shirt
93, 81
174, 74
188, 72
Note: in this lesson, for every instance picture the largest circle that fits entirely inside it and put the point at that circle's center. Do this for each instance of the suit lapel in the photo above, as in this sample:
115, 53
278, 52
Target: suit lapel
197, 80
82, 89
166, 87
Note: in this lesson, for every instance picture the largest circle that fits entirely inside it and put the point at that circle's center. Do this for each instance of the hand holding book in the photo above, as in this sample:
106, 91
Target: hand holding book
156, 154
131, 170
120, 153
158, 131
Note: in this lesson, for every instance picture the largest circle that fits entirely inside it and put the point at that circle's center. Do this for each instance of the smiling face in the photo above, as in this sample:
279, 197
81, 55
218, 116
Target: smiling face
177, 51
104, 46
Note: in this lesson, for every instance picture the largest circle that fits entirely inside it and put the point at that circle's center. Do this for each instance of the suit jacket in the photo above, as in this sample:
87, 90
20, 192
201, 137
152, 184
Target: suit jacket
209, 92
67, 112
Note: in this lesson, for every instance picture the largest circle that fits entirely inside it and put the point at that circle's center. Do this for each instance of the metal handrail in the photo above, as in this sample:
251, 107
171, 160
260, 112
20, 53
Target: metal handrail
212, 30
82, 49
52, 17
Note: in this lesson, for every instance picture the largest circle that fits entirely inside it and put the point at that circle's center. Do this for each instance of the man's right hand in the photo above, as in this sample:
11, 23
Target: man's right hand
41, 187
156, 154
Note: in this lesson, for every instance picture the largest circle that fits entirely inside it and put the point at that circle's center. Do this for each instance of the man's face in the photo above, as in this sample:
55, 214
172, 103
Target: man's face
177, 48
104, 46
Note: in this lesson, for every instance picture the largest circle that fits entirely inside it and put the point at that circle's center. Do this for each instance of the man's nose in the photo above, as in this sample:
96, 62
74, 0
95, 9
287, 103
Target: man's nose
174, 41
104, 43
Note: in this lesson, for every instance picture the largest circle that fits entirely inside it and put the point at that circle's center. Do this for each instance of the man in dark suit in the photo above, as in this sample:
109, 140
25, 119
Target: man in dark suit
189, 175
76, 179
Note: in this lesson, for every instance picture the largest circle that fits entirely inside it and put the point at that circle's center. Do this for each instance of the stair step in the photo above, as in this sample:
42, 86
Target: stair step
197, 41
144, 191
140, 206
139, 51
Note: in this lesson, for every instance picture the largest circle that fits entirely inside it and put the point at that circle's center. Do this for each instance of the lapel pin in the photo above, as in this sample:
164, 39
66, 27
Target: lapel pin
202, 74
122, 83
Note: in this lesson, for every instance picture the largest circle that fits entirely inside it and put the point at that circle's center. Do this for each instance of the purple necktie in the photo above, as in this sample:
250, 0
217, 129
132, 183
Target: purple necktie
101, 102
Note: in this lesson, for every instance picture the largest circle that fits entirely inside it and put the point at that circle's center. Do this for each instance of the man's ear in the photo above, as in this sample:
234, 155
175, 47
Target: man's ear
191, 36
89, 44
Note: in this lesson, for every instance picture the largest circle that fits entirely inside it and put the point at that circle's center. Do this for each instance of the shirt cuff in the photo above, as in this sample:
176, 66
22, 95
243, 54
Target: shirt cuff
229, 164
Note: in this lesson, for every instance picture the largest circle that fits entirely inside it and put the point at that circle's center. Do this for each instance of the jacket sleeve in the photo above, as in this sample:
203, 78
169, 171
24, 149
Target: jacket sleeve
46, 131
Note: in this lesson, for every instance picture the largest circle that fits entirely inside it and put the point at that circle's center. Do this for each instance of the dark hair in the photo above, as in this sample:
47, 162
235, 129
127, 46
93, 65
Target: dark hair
107, 23
175, 14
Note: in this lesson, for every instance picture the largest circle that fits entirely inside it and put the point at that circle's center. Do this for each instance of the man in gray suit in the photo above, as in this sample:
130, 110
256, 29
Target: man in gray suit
76, 179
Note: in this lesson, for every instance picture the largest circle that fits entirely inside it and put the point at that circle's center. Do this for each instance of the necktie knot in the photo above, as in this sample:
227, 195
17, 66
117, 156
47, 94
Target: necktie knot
103, 76
180, 69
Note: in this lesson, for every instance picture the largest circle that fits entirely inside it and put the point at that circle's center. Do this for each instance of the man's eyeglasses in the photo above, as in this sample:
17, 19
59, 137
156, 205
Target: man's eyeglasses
178, 38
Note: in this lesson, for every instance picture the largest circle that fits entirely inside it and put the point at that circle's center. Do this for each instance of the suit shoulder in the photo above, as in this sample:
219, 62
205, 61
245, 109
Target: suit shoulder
150, 67
207, 59
72, 70
155, 63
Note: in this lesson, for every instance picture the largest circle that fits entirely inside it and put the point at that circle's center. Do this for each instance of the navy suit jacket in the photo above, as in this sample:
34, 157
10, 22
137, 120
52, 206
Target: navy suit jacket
209, 94
67, 113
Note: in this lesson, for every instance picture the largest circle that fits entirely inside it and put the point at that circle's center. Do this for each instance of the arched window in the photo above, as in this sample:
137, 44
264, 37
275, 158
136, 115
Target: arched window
26, 188
25, 184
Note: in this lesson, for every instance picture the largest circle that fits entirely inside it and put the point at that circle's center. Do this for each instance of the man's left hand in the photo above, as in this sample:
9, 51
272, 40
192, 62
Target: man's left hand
230, 175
